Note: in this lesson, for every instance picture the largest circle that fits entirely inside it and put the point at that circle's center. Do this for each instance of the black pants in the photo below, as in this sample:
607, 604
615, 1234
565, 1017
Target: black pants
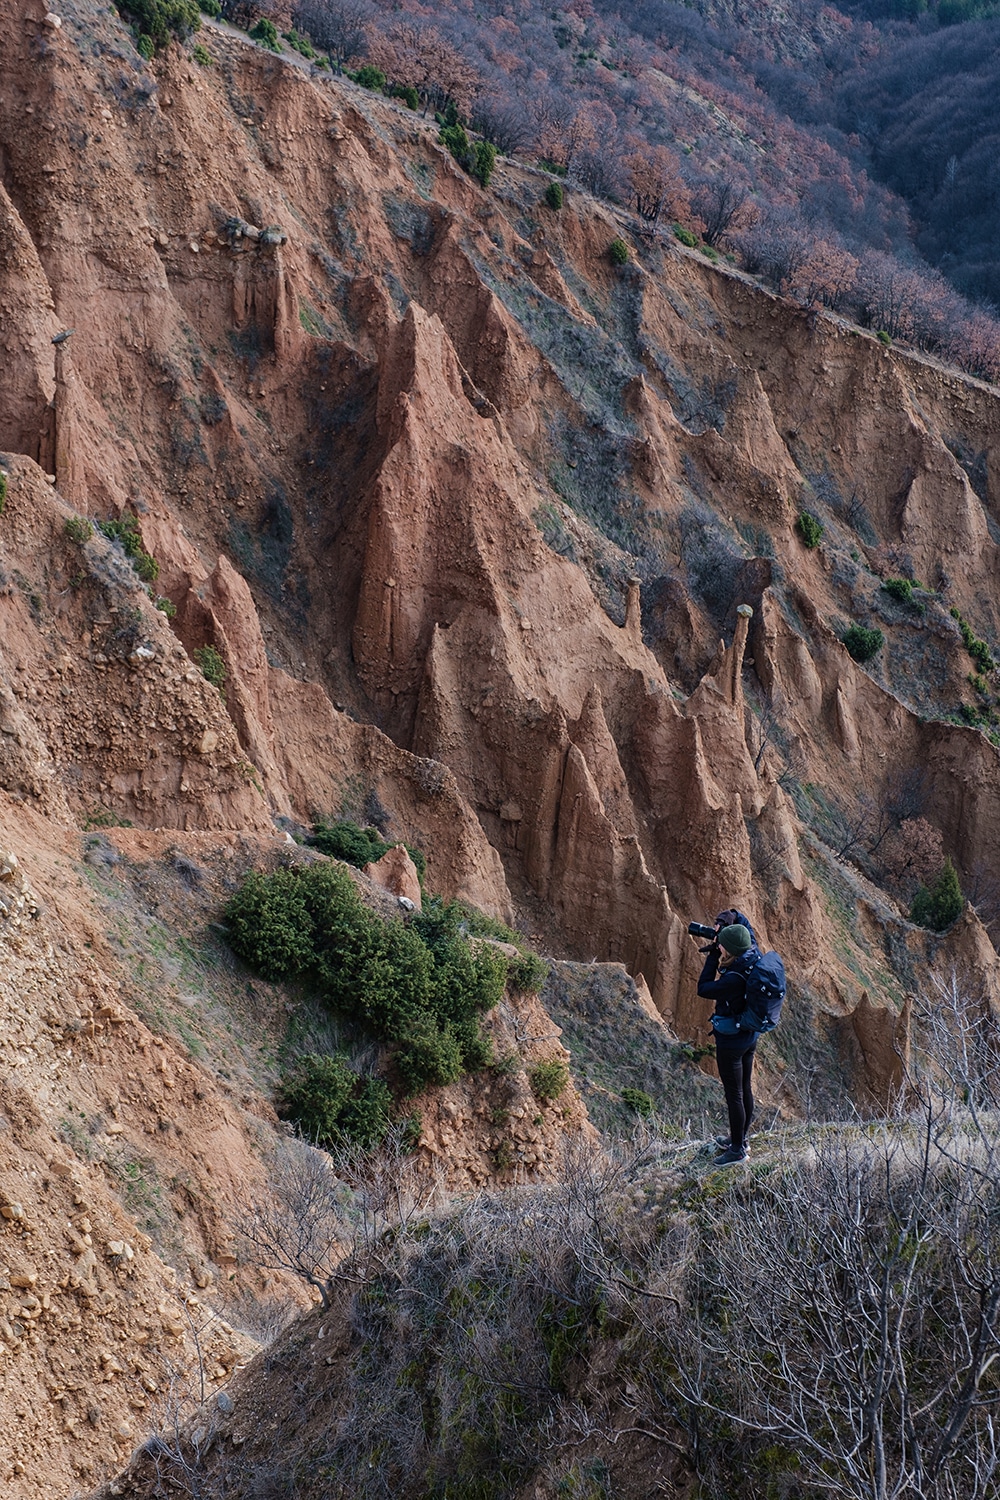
734, 1055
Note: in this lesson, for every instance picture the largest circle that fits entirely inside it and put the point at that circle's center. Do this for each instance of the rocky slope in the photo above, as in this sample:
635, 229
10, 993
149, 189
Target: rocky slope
464, 510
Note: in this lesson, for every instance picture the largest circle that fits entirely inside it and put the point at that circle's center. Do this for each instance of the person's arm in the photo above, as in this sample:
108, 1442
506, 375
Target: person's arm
711, 965
724, 990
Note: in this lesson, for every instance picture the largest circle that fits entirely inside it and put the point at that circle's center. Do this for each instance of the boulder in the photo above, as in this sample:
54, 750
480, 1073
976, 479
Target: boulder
396, 872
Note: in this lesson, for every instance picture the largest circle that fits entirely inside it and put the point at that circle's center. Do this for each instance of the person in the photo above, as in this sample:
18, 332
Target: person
723, 980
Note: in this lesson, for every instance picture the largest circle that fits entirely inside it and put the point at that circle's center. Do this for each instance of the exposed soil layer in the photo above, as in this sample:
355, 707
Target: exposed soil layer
464, 513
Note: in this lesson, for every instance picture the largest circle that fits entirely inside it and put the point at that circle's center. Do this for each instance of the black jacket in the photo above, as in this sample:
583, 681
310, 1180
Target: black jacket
729, 991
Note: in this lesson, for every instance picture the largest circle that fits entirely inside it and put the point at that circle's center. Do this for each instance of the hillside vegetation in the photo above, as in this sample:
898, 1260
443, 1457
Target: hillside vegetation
782, 142
829, 1321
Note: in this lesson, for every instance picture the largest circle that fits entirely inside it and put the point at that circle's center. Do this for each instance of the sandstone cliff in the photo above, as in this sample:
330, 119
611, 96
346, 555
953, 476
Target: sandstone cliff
466, 512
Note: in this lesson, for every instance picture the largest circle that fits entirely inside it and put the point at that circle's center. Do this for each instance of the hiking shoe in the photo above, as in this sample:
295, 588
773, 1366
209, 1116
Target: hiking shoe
730, 1158
724, 1143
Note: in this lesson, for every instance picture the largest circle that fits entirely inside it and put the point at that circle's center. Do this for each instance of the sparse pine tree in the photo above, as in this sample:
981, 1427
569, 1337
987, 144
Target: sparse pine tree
941, 904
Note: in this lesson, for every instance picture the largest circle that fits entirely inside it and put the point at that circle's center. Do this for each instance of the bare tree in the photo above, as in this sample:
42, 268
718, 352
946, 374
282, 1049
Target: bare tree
594, 156
300, 1224
721, 205
420, 55
984, 894
654, 175
776, 246
505, 122
336, 26
858, 832
553, 116
762, 729
961, 1036
911, 855
809, 1323
243, 13
176, 1453
327, 1218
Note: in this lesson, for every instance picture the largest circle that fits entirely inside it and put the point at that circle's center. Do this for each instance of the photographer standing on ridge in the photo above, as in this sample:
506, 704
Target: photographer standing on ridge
735, 953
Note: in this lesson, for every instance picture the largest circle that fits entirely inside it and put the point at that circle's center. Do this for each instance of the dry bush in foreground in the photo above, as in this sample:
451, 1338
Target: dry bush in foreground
826, 1322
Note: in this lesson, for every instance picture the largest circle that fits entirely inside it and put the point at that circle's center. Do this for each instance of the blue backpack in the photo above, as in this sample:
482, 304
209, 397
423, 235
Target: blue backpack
765, 994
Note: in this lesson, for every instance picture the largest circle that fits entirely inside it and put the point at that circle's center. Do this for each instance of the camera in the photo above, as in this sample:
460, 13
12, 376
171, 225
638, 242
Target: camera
699, 930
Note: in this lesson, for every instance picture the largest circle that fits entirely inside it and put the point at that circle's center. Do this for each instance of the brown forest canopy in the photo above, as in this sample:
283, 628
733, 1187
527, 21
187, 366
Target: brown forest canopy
850, 159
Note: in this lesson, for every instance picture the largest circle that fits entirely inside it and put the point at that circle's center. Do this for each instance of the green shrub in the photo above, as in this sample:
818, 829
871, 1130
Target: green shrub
3, 492
977, 649
477, 159
455, 138
210, 8
639, 1101
271, 926
202, 56
407, 93
166, 606
553, 167
548, 1080
527, 973
942, 904
300, 44
146, 566
981, 655
428, 1057
370, 77
504, 1157
264, 32
900, 589
78, 529
104, 817
862, 644
476, 1048
484, 159
507, 1064
392, 973
468, 977
330, 1104
554, 195
685, 236
367, 1115
125, 532
884, 338
355, 846
314, 1092
809, 528
422, 984
158, 22
358, 846
213, 668
618, 252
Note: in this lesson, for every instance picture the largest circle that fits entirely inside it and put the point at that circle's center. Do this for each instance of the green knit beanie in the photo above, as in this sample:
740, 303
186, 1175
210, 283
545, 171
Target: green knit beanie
735, 939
